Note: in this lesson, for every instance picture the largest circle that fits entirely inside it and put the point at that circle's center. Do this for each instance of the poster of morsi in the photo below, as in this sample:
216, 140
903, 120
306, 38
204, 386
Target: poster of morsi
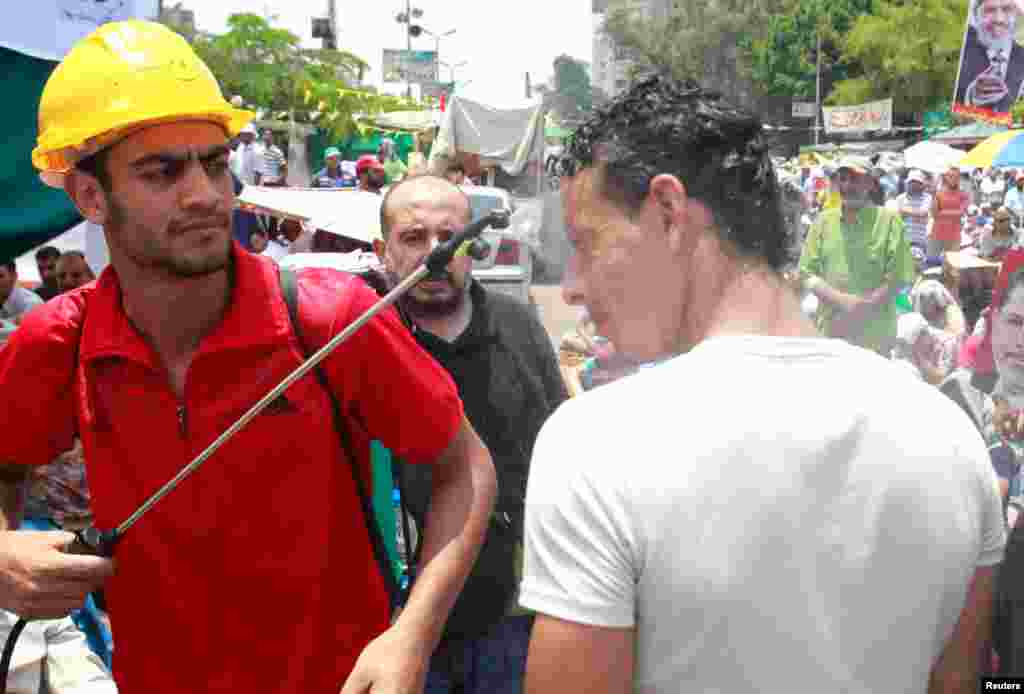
991, 71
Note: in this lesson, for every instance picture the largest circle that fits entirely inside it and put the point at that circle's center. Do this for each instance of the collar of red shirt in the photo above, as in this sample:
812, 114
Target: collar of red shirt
256, 317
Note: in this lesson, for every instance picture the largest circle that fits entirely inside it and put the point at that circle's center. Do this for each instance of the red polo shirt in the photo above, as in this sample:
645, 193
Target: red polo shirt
256, 574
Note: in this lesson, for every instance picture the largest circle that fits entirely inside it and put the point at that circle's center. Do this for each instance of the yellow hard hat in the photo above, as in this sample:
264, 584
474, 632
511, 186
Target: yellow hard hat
118, 79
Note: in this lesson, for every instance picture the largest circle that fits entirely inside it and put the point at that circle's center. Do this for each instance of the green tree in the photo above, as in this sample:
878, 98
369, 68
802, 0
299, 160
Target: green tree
572, 94
784, 61
907, 50
270, 70
691, 38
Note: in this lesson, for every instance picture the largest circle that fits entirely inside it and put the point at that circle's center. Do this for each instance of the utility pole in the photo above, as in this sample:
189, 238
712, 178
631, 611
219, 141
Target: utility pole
817, 96
332, 19
408, 48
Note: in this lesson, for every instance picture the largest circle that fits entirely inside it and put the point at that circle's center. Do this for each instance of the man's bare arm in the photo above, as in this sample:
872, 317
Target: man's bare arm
569, 657
963, 658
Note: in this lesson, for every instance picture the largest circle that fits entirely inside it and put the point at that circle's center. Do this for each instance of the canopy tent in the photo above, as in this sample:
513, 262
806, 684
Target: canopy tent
509, 140
406, 121
970, 134
350, 213
931, 156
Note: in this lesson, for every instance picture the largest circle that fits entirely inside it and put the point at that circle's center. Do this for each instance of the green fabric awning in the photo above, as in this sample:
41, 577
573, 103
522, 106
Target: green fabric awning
32, 213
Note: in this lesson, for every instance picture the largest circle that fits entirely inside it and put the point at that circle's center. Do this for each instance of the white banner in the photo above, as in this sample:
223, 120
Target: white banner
48, 29
875, 115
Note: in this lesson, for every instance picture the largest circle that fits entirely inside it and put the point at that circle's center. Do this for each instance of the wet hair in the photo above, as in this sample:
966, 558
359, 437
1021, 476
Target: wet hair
47, 253
96, 166
385, 219
74, 254
666, 126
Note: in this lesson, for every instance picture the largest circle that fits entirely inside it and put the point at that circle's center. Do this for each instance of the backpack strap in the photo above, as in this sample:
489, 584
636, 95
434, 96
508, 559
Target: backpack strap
290, 291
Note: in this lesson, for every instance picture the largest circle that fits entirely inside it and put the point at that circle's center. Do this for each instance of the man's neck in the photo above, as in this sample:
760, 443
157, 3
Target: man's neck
851, 213
173, 313
757, 302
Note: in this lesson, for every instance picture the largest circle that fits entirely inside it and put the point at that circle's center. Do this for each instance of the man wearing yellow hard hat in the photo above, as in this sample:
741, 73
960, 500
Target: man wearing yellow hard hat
258, 573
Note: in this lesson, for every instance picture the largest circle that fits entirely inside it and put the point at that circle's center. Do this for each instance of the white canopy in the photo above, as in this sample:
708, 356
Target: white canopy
350, 213
933, 157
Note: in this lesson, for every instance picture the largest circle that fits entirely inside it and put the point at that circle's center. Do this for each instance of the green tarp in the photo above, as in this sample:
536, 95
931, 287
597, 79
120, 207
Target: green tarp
30, 212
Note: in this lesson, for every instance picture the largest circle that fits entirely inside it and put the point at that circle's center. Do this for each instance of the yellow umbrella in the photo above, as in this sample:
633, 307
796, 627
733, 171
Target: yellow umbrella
983, 154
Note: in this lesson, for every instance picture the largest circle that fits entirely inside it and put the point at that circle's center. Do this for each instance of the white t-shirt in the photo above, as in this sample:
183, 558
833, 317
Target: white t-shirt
245, 160
766, 515
20, 302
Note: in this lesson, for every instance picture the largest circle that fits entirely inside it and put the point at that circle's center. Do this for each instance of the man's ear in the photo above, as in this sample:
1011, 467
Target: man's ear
378, 249
88, 195
673, 207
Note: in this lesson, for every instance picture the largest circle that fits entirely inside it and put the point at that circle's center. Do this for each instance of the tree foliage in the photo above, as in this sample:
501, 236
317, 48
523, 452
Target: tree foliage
784, 61
571, 95
272, 72
691, 38
907, 50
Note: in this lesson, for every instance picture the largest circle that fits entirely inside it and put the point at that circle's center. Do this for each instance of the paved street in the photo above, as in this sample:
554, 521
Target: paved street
557, 317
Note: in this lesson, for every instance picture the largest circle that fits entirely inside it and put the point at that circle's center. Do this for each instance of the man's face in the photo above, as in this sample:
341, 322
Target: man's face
247, 138
1001, 225
997, 20
169, 206
456, 177
855, 187
8, 278
332, 163
952, 179
47, 270
268, 138
424, 214
1008, 336
915, 187
623, 271
72, 273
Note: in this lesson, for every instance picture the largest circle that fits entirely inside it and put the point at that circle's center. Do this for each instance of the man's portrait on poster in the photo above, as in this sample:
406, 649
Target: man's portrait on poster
992, 61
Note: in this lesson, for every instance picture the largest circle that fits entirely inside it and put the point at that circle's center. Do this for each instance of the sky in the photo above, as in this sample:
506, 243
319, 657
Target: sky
500, 42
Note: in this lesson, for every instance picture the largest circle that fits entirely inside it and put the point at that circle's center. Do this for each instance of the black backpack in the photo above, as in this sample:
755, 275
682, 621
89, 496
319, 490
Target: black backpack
396, 594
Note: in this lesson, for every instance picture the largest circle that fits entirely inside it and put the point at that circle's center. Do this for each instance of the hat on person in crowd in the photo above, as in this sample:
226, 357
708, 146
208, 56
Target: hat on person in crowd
122, 77
916, 175
249, 129
368, 161
332, 152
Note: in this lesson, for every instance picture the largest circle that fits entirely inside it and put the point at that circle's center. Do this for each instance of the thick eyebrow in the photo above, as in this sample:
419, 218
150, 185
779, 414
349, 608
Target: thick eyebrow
203, 156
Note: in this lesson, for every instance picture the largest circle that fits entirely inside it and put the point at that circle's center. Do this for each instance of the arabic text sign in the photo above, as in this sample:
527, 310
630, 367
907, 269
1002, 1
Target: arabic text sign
409, 66
875, 115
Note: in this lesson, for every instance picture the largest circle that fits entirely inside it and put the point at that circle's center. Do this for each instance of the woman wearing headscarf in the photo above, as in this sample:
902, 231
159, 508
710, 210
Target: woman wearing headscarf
927, 351
936, 303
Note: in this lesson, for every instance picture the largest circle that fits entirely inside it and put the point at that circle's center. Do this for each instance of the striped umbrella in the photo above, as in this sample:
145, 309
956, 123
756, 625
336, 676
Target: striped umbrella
1005, 149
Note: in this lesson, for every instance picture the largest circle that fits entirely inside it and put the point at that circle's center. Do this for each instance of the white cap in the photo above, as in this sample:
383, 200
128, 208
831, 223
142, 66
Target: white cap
916, 175
249, 128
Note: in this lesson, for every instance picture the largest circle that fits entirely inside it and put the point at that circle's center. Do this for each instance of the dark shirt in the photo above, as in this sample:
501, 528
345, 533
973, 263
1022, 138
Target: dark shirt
506, 371
47, 292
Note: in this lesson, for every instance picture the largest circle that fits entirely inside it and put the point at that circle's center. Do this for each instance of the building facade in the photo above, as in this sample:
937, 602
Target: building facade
612, 64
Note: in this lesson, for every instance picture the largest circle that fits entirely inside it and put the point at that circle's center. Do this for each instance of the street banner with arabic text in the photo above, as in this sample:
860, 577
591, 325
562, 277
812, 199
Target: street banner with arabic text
872, 116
